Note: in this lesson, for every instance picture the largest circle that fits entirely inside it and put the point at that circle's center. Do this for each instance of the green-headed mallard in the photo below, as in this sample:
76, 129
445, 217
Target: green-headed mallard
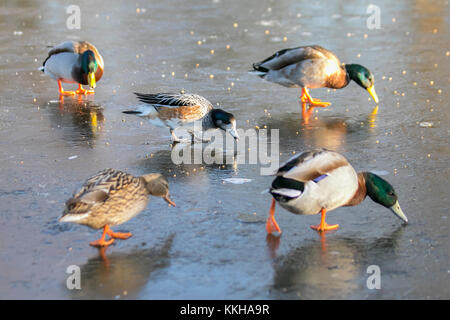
74, 62
312, 67
112, 197
176, 110
322, 180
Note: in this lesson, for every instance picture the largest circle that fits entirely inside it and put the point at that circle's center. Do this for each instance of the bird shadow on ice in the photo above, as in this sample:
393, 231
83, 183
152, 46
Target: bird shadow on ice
334, 268
122, 275
80, 121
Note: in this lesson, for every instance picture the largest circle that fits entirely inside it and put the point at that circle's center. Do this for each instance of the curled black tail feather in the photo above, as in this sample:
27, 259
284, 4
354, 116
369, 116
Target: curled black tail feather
131, 112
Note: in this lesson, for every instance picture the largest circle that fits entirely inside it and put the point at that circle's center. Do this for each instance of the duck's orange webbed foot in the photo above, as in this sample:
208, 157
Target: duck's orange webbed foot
323, 226
271, 223
80, 90
101, 242
118, 235
306, 98
66, 93
62, 92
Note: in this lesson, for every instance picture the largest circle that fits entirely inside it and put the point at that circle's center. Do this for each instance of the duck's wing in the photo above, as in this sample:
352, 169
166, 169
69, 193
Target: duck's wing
96, 190
66, 46
176, 106
290, 56
327, 53
76, 47
311, 165
173, 99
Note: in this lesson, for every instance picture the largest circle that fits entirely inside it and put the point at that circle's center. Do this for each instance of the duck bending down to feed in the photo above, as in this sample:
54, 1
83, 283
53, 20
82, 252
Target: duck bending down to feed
174, 110
319, 181
312, 67
74, 62
112, 197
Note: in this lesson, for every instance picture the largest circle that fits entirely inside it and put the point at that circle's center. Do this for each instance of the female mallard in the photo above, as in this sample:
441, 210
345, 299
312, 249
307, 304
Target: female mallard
322, 180
74, 62
112, 197
176, 110
312, 67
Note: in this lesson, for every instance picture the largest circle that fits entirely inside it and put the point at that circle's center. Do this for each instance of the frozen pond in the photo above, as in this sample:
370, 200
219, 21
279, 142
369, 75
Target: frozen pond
213, 245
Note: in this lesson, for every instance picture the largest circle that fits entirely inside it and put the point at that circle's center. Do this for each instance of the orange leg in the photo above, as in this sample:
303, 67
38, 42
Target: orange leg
271, 223
62, 92
323, 226
117, 235
305, 97
102, 242
80, 90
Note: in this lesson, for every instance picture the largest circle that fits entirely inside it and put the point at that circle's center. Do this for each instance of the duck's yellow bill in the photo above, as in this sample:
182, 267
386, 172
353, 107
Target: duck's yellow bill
373, 94
398, 211
91, 80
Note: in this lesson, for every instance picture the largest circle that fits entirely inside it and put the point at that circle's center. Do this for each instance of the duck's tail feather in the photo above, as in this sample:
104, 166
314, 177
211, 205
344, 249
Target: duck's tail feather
72, 217
132, 112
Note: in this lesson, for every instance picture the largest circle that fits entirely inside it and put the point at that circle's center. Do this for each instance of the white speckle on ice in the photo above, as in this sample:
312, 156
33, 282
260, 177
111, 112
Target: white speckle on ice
72, 157
426, 124
237, 180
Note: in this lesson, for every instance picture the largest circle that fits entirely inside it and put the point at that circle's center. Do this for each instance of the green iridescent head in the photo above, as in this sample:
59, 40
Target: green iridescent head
382, 192
89, 66
363, 77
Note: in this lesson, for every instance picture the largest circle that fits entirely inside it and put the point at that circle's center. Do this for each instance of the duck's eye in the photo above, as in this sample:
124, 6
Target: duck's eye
391, 193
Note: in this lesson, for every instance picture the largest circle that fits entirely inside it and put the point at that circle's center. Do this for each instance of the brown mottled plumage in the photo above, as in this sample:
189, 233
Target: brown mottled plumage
112, 197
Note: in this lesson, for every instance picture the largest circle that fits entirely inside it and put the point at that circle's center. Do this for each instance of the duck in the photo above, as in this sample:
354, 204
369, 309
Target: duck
310, 67
320, 180
74, 62
112, 197
175, 110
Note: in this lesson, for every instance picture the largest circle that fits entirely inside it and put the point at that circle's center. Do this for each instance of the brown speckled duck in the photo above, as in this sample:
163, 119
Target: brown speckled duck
112, 197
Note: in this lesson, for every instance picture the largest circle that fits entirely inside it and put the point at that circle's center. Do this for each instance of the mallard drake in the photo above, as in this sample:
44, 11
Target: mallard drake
320, 181
74, 62
176, 110
112, 197
312, 67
